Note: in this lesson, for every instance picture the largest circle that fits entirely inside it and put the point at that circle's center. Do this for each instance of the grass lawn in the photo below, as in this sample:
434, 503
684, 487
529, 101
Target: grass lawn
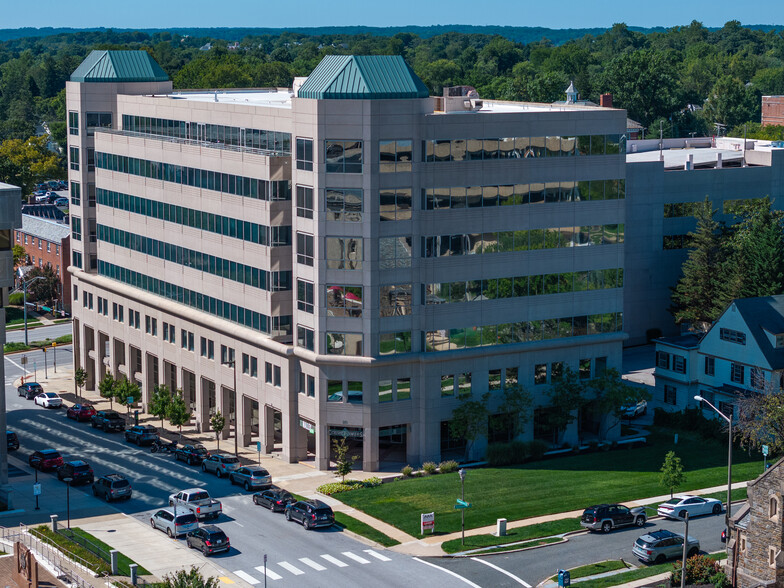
526, 544
20, 325
595, 569
639, 573
551, 486
513, 535
14, 315
345, 521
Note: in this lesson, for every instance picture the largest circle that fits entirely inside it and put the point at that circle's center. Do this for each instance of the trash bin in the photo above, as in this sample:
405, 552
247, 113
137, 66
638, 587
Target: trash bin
135, 417
564, 578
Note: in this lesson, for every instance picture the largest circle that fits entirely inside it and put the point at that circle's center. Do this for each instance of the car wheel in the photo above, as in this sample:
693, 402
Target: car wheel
93, 425
716, 508
169, 533
105, 428
639, 521
190, 461
247, 487
95, 492
107, 497
171, 503
660, 559
204, 551
692, 552
255, 501
288, 515
306, 524
606, 527
152, 523
218, 473
204, 468
682, 514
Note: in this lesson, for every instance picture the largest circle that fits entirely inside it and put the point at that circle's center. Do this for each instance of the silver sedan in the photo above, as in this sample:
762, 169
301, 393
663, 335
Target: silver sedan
251, 478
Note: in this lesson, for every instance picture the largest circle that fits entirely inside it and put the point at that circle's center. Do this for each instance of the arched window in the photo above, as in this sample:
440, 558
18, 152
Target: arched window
773, 507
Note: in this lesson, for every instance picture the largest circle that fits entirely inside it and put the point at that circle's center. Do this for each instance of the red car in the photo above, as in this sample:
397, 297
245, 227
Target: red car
46, 459
81, 412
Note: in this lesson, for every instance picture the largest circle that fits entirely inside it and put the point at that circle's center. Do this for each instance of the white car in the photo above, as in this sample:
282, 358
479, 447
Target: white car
677, 507
49, 400
635, 410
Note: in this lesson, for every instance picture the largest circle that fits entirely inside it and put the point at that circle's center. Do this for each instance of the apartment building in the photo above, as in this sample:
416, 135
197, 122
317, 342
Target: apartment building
47, 244
358, 254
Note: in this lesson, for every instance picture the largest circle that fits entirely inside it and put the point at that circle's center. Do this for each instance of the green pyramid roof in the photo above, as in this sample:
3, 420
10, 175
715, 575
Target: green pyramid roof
362, 77
119, 66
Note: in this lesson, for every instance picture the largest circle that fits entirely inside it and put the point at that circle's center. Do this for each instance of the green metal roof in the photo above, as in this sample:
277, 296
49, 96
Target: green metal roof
362, 77
119, 66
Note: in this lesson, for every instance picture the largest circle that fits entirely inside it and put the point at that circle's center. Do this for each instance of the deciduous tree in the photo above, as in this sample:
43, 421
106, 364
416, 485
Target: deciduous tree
30, 160
178, 412
469, 420
672, 475
217, 424
80, 379
106, 388
160, 400
344, 463
567, 396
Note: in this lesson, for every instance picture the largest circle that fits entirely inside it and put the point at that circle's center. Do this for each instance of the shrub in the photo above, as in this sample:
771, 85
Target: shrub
504, 454
372, 482
537, 449
14, 346
700, 569
16, 299
407, 471
429, 467
449, 466
338, 487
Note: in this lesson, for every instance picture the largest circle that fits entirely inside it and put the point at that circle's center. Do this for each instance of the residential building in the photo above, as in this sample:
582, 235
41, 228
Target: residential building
772, 110
358, 254
755, 546
10, 219
47, 244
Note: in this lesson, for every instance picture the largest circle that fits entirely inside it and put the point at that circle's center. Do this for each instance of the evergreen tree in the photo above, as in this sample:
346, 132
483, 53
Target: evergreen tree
759, 251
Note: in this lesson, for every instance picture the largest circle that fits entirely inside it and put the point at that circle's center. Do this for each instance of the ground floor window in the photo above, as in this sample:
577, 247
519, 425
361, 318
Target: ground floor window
670, 396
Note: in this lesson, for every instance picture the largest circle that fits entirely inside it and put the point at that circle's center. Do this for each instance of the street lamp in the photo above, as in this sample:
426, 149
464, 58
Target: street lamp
462, 474
24, 299
729, 459
685, 549
233, 364
68, 481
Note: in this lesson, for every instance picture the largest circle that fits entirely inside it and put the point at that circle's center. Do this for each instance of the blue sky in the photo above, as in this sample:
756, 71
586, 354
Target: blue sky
283, 13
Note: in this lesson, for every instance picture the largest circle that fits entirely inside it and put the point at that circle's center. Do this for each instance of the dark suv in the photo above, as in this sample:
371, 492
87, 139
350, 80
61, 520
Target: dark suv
606, 517
79, 471
209, 538
30, 390
142, 434
191, 454
311, 513
13, 440
112, 487
108, 420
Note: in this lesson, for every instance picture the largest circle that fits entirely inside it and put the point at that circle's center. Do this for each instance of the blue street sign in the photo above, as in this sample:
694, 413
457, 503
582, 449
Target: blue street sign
462, 504
258, 446
764, 450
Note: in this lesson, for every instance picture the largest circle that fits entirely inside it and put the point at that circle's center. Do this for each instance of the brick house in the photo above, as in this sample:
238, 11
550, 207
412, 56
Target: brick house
772, 110
48, 243
755, 555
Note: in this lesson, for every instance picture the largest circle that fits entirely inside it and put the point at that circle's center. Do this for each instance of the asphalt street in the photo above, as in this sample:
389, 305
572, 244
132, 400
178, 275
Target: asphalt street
39, 333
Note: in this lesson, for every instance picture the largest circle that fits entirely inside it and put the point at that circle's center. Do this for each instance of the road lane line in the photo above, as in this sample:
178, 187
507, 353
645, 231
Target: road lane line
9, 360
287, 566
450, 572
309, 562
355, 557
503, 571
334, 560
247, 577
377, 555
270, 574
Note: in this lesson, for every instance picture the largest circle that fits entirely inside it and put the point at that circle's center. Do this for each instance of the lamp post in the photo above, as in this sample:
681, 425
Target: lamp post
68, 481
24, 299
685, 550
233, 364
729, 460
462, 474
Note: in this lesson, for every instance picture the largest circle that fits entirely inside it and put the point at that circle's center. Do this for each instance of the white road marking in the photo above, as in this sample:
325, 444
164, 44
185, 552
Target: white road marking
287, 566
377, 555
334, 560
235, 522
450, 572
11, 361
312, 564
355, 557
503, 571
247, 577
270, 574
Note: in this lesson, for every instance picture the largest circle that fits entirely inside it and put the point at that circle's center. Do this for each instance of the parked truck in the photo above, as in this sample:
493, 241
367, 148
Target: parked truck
198, 501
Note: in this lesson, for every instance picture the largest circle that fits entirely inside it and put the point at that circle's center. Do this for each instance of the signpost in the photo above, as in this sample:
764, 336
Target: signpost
427, 520
54, 353
46, 364
36, 489
462, 504
765, 454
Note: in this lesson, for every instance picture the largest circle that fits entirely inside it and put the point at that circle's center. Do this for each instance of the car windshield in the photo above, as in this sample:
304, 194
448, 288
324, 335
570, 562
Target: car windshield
51, 455
51, 395
199, 449
259, 473
81, 468
217, 536
110, 414
120, 484
230, 460
323, 511
673, 501
185, 519
200, 496
149, 430
642, 543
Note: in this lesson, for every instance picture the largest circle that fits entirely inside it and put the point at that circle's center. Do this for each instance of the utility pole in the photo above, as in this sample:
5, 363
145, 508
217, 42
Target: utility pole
685, 550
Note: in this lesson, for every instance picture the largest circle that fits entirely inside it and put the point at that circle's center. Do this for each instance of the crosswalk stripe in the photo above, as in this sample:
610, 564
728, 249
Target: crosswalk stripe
377, 555
335, 561
309, 562
270, 574
247, 577
355, 557
287, 566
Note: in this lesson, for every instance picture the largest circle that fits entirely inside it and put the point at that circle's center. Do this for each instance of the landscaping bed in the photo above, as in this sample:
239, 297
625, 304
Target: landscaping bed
19, 346
537, 531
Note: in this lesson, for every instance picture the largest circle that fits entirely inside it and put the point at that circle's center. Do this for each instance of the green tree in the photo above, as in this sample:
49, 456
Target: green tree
160, 400
760, 420
344, 463
178, 412
567, 396
20, 255
45, 291
515, 410
672, 475
192, 578
613, 395
80, 379
106, 388
217, 424
731, 103
125, 389
469, 420
697, 295
32, 161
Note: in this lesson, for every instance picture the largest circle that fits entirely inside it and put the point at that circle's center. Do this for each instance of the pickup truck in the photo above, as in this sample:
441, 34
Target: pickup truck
198, 501
108, 420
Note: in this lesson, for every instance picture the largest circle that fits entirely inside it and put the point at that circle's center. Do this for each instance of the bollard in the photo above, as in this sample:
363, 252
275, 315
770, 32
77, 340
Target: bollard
500, 528
115, 558
54, 523
133, 567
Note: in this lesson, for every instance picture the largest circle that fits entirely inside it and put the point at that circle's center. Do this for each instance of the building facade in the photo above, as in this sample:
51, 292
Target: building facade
357, 254
773, 110
47, 244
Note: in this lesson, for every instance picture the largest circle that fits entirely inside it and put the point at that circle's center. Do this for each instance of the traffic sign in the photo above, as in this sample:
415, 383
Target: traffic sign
462, 504
258, 446
37, 489
765, 450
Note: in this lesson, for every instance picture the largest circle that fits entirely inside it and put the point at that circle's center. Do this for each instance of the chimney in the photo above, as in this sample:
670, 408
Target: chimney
605, 101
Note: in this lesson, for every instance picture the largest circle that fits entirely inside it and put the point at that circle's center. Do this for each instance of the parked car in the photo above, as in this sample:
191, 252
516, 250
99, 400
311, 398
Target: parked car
311, 513
13, 440
198, 501
142, 434
79, 471
659, 546
108, 420
220, 464
677, 507
62, 202
251, 477
191, 454
274, 499
41, 198
209, 538
80, 412
112, 487
634, 410
606, 517
174, 526
49, 400
30, 390
45, 459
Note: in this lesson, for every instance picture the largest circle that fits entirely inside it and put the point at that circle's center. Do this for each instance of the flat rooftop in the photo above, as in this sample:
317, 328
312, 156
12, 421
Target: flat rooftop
677, 158
251, 97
